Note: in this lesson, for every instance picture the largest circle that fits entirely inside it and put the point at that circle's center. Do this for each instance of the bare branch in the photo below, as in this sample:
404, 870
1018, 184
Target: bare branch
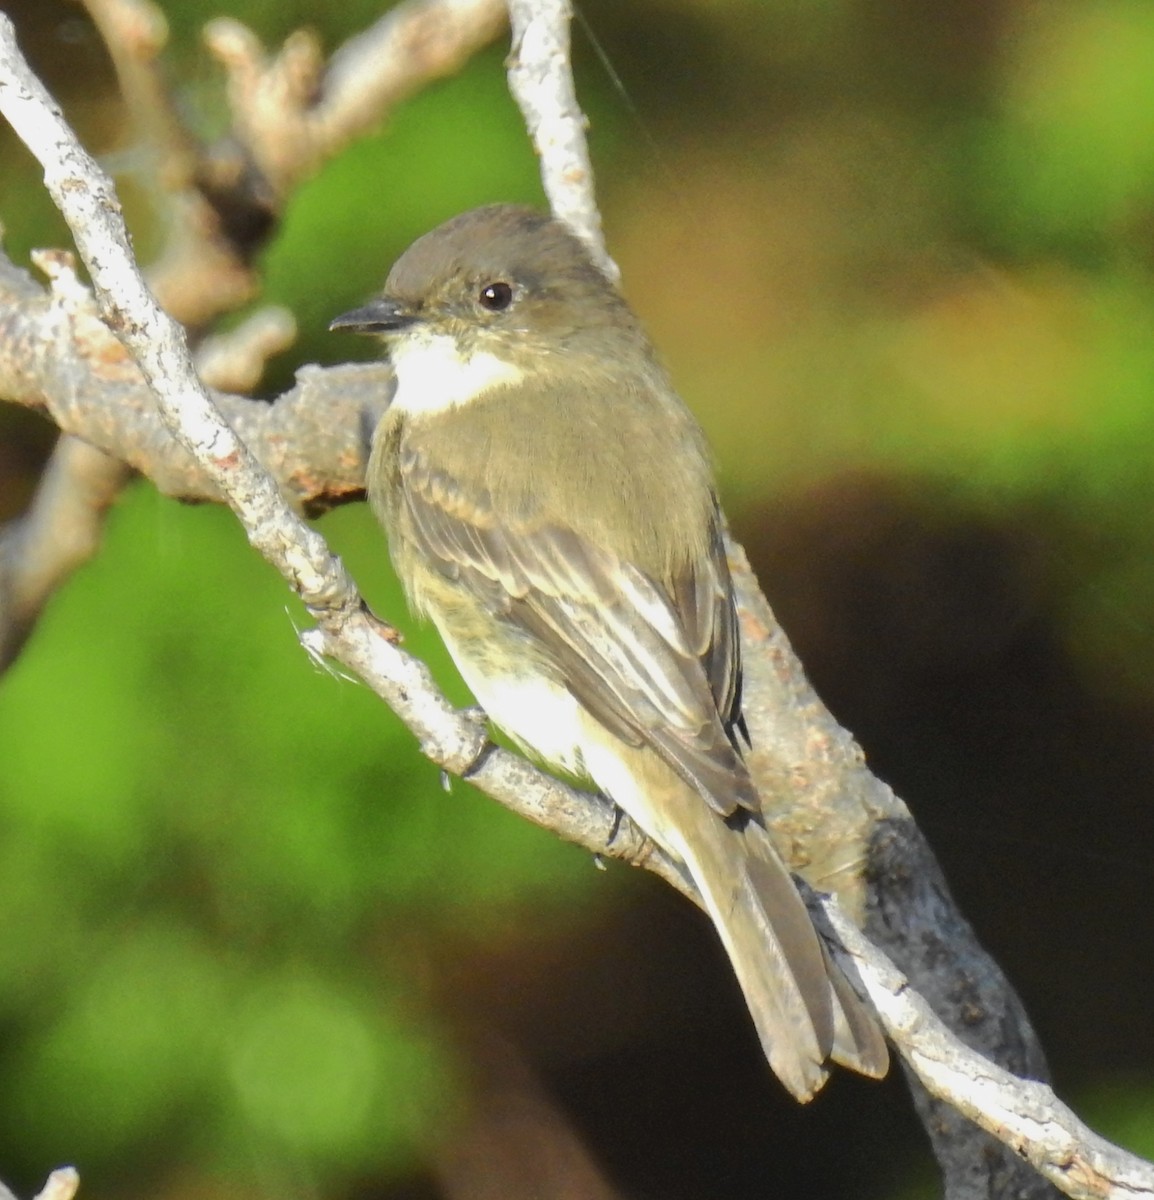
1022, 1113
203, 270
235, 361
289, 116
817, 793
62, 1184
292, 112
86, 198
541, 81
59, 358
60, 530
135, 33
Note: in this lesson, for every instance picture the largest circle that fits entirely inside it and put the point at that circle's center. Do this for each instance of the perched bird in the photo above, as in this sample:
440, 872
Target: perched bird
549, 505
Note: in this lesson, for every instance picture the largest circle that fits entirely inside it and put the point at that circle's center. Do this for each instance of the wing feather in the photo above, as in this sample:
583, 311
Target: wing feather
657, 664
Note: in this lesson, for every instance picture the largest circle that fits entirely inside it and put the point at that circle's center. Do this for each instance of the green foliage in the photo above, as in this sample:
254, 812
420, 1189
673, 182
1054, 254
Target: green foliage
203, 836
1072, 157
1122, 1110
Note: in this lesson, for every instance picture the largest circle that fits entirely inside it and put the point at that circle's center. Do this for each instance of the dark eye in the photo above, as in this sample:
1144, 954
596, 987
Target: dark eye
496, 297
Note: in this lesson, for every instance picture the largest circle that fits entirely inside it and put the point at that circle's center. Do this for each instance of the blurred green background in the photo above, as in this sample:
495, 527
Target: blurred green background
899, 257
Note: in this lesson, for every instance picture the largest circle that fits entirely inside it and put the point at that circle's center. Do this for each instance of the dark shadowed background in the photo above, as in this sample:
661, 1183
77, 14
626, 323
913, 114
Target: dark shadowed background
898, 256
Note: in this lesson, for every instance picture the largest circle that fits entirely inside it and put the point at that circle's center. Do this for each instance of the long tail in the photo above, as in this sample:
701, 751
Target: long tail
803, 1008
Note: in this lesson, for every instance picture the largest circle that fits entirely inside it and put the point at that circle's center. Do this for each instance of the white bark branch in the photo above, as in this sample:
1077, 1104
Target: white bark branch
85, 196
289, 114
62, 1184
61, 530
1022, 1113
541, 80
292, 111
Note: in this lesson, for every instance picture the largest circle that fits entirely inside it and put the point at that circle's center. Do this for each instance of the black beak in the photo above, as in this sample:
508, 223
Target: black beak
381, 316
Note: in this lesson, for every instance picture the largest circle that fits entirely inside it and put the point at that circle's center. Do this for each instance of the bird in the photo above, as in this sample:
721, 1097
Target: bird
549, 504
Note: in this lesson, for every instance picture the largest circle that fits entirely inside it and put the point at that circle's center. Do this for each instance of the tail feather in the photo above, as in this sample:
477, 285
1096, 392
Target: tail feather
857, 1043
803, 1009
775, 952
782, 918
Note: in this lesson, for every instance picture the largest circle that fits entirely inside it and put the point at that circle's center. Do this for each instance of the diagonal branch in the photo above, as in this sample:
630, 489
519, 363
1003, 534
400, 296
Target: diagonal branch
290, 113
293, 112
60, 359
1024, 1114
59, 532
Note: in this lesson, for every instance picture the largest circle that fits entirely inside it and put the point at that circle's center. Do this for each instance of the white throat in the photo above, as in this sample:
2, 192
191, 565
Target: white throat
433, 374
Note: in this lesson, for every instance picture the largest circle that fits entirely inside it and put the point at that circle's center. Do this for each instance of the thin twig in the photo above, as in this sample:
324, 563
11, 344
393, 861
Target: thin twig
1022, 1113
541, 80
289, 115
235, 361
292, 111
60, 530
85, 196
62, 1184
